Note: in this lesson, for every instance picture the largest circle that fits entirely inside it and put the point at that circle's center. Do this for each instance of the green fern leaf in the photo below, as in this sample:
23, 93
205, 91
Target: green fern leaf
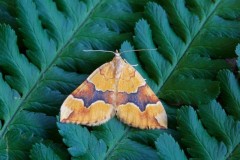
147, 137
238, 60
42, 50
20, 75
5, 16
220, 125
42, 152
81, 142
236, 153
168, 149
230, 93
108, 141
16, 144
198, 142
47, 151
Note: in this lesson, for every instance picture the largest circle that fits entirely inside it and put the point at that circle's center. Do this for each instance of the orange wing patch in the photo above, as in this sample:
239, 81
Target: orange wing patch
114, 88
74, 111
140, 108
88, 104
104, 77
130, 81
152, 117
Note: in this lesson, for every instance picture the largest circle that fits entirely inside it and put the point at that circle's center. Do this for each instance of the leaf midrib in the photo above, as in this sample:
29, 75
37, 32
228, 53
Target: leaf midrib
188, 46
41, 76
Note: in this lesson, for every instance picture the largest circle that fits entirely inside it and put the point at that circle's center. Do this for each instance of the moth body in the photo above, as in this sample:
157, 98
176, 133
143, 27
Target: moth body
115, 88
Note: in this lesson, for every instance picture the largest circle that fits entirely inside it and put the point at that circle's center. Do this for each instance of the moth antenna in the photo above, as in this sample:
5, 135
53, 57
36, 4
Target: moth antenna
134, 65
86, 50
118, 53
151, 49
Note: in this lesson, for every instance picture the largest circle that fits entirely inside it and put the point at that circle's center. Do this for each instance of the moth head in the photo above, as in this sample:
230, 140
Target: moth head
117, 53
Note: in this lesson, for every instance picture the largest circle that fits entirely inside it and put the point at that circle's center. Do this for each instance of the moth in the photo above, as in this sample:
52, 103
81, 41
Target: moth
115, 88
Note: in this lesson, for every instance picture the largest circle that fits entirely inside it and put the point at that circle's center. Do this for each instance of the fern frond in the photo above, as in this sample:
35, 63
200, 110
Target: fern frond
230, 94
198, 142
47, 151
223, 127
108, 141
81, 142
168, 148
235, 153
19, 75
16, 144
5, 16
238, 60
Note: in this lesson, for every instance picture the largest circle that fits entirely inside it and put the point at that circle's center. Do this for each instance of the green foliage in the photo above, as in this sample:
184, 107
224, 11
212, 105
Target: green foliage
199, 143
170, 67
220, 125
109, 141
230, 93
42, 61
41, 151
81, 143
168, 148
19, 76
238, 60
45, 151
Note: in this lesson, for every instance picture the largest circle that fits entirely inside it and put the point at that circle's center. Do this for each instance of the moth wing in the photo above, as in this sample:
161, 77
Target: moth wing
137, 105
91, 103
